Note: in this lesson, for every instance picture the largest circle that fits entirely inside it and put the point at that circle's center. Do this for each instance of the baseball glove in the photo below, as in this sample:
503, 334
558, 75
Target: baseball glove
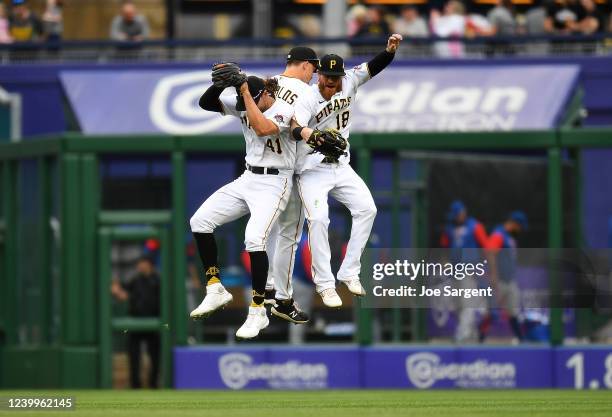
227, 74
328, 142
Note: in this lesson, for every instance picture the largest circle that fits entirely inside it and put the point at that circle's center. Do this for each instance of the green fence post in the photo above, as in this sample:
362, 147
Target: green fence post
3, 277
44, 236
584, 316
555, 230
364, 315
420, 240
396, 312
71, 248
9, 178
576, 155
179, 312
89, 197
165, 305
104, 309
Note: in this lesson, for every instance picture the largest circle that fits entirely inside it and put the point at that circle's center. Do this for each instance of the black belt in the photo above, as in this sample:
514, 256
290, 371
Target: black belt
262, 170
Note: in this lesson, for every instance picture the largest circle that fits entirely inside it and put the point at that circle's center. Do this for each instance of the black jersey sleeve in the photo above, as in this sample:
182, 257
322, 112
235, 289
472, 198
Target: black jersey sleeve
210, 99
380, 62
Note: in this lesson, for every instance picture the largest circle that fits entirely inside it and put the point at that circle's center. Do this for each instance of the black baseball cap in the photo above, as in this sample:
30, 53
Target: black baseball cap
256, 88
303, 53
332, 65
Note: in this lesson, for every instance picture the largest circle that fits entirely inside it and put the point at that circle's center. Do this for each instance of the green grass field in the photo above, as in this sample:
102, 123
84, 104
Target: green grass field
328, 403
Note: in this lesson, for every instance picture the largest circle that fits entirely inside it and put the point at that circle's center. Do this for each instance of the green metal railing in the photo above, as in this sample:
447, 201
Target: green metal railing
85, 325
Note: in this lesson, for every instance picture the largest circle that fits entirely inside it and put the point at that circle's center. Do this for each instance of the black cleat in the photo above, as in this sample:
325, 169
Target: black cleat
269, 297
289, 310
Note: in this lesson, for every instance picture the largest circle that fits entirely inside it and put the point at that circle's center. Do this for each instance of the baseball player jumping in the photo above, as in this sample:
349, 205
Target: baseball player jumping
302, 63
329, 105
262, 190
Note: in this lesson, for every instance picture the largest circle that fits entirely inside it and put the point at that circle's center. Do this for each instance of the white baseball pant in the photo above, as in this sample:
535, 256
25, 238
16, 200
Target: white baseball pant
265, 196
271, 249
343, 184
289, 228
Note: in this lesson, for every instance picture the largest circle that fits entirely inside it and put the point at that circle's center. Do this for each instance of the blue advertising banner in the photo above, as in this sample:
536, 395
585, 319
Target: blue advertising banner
587, 367
406, 368
411, 367
431, 367
260, 368
402, 99
215, 368
507, 367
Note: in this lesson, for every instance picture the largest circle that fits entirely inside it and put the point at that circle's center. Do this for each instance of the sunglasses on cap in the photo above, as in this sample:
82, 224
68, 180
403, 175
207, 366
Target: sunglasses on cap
315, 64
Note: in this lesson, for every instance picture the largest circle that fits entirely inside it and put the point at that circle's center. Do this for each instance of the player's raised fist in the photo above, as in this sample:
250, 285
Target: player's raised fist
393, 42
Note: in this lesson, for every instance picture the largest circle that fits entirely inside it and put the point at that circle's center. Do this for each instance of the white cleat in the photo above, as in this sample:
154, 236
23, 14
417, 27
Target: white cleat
331, 298
256, 321
355, 287
216, 297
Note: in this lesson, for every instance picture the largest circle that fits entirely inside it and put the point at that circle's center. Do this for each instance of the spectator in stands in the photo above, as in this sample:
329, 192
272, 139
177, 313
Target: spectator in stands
562, 16
52, 20
309, 25
376, 26
356, 19
535, 18
411, 24
591, 20
142, 292
129, 25
501, 24
5, 36
477, 25
24, 25
501, 18
451, 23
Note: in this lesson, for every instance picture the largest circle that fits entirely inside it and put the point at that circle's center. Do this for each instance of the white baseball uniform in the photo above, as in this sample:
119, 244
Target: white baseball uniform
288, 230
317, 179
265, 195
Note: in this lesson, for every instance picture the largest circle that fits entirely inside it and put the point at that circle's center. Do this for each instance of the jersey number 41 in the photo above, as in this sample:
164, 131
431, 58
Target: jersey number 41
270, 145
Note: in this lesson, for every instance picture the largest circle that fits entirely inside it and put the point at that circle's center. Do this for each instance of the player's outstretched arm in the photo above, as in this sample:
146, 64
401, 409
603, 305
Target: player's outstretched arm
380, 61
260, 124
210, 99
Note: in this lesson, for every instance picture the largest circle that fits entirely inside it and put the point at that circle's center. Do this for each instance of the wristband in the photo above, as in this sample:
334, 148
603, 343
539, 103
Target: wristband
297, 133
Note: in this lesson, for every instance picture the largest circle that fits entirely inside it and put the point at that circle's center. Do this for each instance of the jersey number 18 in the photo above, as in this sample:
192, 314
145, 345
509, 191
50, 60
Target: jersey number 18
342, 120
